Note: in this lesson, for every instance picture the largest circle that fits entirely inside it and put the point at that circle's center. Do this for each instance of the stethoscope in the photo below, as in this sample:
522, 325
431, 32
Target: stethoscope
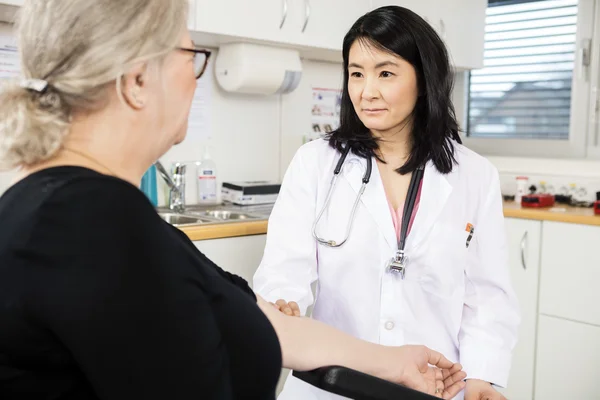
336, 173
398, 262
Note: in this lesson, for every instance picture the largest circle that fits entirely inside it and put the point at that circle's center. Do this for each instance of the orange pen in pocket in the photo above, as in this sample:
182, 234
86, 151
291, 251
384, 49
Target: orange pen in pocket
471, 229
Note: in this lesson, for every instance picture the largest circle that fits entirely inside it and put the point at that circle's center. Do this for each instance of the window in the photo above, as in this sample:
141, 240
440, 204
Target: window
532, 96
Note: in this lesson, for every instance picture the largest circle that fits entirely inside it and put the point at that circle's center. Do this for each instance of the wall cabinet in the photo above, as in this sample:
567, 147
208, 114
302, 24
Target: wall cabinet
307, 23
328, 22
460, 23
257, 19
317, 27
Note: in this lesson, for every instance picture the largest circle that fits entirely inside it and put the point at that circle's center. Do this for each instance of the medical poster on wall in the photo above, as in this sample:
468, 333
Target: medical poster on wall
199, 122
9, 57
325, 111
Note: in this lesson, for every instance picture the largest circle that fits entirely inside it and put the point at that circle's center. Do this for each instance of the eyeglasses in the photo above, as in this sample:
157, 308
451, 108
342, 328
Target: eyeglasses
200, 60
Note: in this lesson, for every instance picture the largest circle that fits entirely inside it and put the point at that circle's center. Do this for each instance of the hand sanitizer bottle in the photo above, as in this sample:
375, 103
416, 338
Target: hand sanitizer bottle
207, 179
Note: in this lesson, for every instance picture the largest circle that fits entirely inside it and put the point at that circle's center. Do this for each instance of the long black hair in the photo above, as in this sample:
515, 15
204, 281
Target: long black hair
400, 31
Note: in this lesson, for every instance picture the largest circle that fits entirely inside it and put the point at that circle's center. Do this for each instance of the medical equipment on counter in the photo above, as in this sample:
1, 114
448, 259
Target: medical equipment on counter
521, 188
250, 193
538, 200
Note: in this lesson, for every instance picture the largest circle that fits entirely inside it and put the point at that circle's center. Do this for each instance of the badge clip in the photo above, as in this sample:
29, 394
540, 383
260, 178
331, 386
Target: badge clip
398, 264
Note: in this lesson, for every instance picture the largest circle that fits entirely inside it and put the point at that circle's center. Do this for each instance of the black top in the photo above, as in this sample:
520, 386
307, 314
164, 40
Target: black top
102, 299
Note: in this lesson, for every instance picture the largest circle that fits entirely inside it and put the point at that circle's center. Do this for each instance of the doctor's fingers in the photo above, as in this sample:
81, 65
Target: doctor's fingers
295, 308
291, 308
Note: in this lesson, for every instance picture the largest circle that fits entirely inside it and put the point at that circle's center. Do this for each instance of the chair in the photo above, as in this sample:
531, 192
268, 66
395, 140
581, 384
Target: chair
357, 385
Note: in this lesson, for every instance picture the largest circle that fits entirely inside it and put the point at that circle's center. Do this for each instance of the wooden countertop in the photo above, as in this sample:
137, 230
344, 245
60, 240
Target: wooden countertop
558, 213
230, 229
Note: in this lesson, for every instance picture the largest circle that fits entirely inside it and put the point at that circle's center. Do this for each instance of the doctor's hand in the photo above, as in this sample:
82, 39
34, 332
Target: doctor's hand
481, 390
428, 371
290, 308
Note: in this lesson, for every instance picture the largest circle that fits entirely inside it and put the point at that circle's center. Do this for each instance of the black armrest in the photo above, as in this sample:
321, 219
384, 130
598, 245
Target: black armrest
356, 385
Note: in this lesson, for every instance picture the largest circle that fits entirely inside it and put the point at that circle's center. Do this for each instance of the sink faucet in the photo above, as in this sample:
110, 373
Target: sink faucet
176, 185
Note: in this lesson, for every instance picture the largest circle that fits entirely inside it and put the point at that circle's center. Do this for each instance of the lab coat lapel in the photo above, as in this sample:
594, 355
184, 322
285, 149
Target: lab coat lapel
374, 198
435, 191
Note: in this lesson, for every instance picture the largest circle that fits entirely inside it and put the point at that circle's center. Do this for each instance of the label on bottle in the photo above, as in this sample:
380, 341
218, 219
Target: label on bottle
207, 186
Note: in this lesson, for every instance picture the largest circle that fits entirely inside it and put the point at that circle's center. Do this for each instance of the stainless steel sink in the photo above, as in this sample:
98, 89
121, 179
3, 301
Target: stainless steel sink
202, 215
224, 215
181, 220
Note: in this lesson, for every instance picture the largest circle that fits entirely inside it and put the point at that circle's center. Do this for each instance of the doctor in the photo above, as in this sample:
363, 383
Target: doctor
400, 225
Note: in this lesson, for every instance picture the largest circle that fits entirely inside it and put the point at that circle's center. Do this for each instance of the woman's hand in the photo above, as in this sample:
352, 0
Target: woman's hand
481, 390
290, 308
428, 371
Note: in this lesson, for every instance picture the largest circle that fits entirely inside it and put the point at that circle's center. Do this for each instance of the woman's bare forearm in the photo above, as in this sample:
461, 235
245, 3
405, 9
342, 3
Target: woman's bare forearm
307, 344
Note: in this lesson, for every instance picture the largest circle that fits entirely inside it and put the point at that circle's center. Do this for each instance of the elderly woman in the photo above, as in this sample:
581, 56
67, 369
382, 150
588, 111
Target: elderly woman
99, 298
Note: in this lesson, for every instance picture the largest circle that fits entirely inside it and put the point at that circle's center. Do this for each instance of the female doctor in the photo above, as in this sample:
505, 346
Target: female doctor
400, 225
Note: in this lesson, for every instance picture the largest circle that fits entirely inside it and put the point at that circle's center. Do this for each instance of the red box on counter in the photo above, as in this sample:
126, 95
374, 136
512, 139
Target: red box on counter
537, 200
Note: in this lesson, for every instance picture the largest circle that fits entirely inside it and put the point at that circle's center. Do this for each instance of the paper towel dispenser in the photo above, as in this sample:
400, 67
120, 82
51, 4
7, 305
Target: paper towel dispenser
257, 69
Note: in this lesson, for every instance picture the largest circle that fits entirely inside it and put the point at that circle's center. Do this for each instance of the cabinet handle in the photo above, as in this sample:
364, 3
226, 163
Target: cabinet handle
284, 13
307, 14
442, 28
523, 245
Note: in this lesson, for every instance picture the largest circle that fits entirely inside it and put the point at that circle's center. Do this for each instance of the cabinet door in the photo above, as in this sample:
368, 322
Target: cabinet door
425, 8
256, 19
568, 360
238, 255
326, 22
191, 23
523, 239
461, 24
571, 272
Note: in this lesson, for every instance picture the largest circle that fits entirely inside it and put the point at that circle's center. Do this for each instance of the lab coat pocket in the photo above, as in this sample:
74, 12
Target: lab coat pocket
445, 261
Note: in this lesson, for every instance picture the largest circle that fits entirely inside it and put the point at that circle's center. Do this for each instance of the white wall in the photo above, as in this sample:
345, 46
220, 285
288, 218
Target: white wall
296, 106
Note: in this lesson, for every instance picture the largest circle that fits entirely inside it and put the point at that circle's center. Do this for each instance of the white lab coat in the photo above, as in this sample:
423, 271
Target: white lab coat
454, 299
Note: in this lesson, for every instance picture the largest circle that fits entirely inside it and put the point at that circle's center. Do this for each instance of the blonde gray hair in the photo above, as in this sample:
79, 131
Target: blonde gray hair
79, 47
